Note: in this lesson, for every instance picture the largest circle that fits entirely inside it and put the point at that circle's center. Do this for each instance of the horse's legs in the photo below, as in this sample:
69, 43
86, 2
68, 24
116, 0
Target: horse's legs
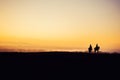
89, 51
95, 50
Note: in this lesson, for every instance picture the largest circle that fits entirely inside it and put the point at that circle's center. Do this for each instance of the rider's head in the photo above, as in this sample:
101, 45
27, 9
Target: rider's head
96, 44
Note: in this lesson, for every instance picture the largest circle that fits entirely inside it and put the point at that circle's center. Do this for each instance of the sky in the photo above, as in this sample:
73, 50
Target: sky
60, 24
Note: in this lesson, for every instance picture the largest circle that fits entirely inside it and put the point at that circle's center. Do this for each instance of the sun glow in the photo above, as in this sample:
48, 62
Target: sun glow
59, 24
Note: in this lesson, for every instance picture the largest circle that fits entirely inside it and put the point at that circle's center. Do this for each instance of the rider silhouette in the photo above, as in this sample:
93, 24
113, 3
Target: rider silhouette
90, 48
96, 49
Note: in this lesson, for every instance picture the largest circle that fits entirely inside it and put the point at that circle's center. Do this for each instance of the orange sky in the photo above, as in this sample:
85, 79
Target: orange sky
59, 24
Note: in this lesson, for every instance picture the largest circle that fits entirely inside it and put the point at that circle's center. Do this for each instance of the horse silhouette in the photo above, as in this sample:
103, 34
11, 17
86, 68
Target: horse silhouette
96, 49
90, 49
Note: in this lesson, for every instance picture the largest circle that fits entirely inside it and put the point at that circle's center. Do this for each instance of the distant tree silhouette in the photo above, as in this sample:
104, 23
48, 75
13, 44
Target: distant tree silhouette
97, 48
90, 48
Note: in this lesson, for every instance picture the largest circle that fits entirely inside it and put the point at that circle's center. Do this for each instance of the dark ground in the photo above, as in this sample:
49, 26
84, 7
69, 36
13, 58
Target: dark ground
56, 62
59, 58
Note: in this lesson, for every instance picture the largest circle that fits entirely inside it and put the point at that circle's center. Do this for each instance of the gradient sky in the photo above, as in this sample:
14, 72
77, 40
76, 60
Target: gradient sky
60, 24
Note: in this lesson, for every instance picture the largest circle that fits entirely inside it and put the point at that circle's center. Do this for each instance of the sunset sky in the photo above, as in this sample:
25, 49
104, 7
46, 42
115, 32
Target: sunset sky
60, 24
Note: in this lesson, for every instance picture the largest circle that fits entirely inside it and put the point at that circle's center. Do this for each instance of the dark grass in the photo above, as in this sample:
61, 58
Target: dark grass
58, 58
58, 64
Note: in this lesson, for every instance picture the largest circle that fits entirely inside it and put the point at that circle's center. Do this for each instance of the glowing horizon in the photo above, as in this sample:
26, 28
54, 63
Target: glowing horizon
60, 24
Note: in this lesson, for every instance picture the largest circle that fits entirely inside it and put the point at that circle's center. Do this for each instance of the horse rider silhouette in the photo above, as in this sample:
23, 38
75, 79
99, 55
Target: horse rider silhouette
90, 48
97, 48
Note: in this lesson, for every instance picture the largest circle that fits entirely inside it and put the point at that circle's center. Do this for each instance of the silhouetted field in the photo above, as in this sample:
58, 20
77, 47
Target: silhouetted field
53, 63
59, 58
